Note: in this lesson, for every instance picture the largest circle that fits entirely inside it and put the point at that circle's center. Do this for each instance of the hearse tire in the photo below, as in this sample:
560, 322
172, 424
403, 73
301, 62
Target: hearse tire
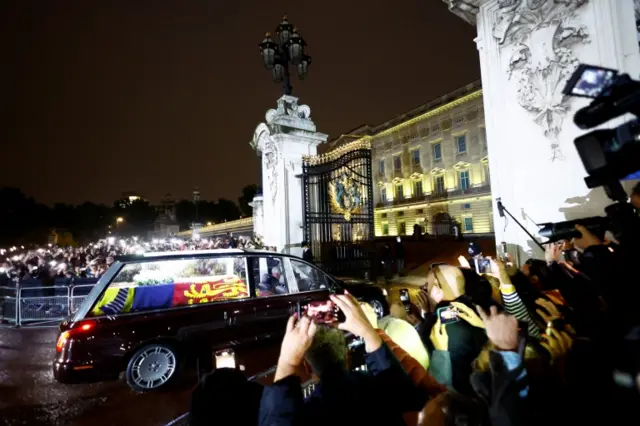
153, 366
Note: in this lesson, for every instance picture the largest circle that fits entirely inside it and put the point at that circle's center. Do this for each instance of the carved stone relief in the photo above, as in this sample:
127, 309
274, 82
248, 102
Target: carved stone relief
537, 37
271, 156
636, 6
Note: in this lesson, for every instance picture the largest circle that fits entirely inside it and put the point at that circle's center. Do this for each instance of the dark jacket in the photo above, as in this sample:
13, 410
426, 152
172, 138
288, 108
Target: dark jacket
307, 255
505, 389
380, 396
453, 367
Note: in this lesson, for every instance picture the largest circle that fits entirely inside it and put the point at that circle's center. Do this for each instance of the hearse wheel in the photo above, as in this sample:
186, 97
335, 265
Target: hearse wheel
151, 367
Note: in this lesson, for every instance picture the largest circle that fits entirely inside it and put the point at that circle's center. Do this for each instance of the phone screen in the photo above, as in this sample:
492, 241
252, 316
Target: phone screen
448, 315
404, 298
325, 312
482, 265
593, 81
225, 359
404, 295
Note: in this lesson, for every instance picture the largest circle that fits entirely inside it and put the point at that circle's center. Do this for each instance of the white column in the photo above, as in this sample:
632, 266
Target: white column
288, 135
525, 63
258, 216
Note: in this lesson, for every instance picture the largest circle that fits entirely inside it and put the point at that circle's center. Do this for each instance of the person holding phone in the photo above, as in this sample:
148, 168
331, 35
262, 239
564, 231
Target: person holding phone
341, 397
453, 333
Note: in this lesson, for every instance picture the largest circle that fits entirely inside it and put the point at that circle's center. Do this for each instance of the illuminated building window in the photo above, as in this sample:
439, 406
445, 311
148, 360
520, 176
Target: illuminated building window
438, 184
465, 206
397, 163
468, 224
415, 157
381, 167
461, 143
437, 151
402, 228
383, 195
385, 229
417, 188
399, 192
464, 180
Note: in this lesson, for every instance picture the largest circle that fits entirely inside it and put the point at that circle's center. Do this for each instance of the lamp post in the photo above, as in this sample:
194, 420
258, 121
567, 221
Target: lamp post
289, 49
196, 199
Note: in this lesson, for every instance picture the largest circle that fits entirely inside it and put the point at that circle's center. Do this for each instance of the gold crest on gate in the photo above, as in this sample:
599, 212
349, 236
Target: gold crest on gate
346, 197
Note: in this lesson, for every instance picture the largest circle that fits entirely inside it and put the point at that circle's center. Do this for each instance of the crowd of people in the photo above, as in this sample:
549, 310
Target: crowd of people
50, 263
555, 341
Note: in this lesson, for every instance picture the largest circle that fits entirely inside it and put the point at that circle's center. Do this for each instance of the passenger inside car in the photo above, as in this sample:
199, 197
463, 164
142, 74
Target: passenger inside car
270, 283
272, 280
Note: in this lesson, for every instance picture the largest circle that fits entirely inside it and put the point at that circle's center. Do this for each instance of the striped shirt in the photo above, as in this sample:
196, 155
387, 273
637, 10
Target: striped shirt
516, 307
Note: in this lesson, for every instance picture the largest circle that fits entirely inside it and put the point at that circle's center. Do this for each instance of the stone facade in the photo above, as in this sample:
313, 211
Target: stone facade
429, 161
432, 164
527, 51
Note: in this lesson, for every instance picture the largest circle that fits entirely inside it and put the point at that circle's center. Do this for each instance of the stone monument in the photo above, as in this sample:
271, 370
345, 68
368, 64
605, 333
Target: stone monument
258, 216
287, 135
527, 50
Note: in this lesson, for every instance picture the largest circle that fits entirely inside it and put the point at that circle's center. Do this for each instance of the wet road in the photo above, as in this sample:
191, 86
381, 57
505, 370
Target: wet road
29, 395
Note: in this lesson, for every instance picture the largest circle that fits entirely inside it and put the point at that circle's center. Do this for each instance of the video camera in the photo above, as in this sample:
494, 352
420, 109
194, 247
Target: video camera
608, 155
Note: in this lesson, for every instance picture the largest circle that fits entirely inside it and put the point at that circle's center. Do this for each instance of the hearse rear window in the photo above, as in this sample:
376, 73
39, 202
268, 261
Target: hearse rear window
166, 284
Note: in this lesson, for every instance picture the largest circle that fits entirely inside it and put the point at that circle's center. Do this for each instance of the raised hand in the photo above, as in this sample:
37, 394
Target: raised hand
467, 314
557, 343
422, 300
549, 312
297, 339
356, 321
553, 252
502, 329
586, 240
439, 337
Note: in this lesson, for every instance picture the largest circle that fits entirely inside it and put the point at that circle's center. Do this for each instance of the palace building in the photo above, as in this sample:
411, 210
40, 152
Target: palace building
430, 167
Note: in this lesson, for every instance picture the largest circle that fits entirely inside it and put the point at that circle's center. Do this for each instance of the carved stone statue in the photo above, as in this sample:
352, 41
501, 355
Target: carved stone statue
271, 156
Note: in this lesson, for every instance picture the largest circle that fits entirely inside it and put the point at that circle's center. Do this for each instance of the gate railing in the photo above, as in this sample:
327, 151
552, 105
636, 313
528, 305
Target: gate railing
33, 306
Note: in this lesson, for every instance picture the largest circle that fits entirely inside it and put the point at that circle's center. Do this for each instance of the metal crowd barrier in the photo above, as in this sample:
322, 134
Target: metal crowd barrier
26, 305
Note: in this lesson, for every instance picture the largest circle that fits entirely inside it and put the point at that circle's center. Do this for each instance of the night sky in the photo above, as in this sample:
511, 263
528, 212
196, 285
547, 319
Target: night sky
103, 97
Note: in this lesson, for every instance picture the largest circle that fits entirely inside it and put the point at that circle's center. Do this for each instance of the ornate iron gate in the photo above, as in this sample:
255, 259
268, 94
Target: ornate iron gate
338, 200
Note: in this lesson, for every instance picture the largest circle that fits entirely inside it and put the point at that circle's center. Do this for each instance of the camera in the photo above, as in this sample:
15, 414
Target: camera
608, 155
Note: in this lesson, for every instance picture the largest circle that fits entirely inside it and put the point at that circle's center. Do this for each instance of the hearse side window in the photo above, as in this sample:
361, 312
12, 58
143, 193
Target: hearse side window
308, 277
167, 284
269, 276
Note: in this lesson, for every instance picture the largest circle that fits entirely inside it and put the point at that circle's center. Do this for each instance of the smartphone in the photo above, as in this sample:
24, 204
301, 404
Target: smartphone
572, 255
225, 359
404, 298
504, 253
322, 312
482, 264
448, 315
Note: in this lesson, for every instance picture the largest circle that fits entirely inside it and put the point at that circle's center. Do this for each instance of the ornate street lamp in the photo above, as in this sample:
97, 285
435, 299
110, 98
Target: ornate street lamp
288, 49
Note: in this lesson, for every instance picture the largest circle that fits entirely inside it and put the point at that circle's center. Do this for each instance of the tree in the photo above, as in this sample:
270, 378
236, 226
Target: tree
248, 193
